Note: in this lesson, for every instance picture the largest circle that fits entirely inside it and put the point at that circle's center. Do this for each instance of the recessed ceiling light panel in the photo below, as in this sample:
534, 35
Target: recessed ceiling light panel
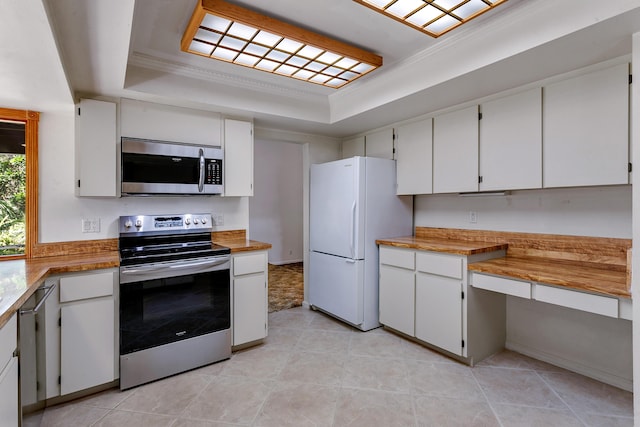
434, 17
230, 33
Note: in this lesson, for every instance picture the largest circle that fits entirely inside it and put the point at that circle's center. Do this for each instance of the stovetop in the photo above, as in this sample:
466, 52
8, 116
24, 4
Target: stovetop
148, 239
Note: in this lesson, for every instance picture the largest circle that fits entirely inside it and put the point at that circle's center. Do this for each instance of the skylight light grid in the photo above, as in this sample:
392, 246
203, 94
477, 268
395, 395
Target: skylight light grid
226, 32
434, 17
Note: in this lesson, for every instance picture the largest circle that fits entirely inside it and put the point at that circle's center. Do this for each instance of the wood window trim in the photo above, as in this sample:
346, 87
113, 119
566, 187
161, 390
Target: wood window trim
30, 120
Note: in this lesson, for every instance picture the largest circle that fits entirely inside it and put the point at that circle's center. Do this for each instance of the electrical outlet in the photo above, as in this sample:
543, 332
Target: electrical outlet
473, 217
218, 219
91, 225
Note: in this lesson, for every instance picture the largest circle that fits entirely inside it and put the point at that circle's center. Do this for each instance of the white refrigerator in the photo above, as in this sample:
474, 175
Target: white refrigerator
353, 202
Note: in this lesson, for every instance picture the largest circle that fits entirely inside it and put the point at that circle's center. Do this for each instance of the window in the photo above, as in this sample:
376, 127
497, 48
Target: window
18, 182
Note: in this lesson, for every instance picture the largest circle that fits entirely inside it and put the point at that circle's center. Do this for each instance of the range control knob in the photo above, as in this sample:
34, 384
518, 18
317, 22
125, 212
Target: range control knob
204, 220
138, 223
187, 221
128, 224
196, 220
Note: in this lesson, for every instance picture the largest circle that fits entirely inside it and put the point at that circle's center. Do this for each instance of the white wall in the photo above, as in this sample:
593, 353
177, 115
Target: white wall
586, 211
594, 345
275, 210
61, 212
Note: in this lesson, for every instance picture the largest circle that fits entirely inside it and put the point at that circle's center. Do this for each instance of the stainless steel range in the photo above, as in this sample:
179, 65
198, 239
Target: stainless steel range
175, 305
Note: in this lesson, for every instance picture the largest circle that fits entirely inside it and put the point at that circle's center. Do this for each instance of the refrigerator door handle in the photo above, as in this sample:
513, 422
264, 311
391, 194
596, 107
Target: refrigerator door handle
353, 229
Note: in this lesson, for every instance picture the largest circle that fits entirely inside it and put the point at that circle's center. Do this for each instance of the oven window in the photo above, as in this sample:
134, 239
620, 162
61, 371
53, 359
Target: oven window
161, 311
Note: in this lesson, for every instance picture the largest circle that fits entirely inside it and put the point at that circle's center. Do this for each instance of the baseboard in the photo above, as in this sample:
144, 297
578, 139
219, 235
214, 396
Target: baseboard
293, 261
572, 365
305, 304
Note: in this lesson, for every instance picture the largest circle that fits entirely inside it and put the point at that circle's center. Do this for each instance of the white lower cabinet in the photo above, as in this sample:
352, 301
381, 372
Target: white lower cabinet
82, 352
424, 294
250, 303
439, 311
9, 410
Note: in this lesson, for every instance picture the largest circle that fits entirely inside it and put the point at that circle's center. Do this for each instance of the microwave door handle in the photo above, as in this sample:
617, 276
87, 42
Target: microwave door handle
201, 178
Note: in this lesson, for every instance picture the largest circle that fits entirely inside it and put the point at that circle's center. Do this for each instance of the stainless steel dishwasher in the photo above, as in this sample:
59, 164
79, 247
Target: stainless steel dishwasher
31, 355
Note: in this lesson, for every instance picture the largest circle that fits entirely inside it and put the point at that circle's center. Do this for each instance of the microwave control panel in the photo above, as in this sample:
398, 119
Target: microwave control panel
213, 171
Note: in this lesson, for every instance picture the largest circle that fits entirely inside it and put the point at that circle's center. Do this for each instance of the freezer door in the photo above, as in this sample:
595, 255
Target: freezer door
336, 285
337, 208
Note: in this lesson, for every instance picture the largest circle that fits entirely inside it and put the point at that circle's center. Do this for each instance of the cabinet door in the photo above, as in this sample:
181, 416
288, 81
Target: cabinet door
353, 147
249, 308
9, 410
87, 344
397, 299
96, 155
439, 311
414, 155
379, 144
238, 158
586, 129
455, 151
511, 142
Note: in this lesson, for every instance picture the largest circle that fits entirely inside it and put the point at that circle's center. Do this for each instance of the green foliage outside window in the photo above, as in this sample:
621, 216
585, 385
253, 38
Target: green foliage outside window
12, 203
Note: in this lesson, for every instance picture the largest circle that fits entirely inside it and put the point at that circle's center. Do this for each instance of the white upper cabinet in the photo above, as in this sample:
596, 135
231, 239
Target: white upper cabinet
96, 153
586, 129
147, 120
455, 151
238, 158
414, 155
511, 142
380, 144
353, 147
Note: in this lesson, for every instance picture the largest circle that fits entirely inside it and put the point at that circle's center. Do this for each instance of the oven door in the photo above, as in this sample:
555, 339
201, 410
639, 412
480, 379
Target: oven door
168, 302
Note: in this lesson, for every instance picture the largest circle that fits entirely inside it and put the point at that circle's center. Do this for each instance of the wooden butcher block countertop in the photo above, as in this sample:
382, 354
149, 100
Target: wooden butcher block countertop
458, 247
583, 263
19, 279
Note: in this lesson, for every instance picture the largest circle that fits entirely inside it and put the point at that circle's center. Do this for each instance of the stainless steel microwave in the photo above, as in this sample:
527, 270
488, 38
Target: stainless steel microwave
159, 167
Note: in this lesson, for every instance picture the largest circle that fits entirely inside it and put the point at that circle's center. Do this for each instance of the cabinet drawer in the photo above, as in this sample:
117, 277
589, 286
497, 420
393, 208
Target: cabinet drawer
8, 340
578, 300
397, 257
247, 264
442, 265
502, 285
85, 286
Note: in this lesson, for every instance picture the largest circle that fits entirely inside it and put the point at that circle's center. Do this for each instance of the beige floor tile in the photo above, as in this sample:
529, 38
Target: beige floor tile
588, 396
374, 409
328, 323
169, 396
72, 415
376, 345
298, 405
592, 420
376, 373
317, 368
212, 370
516, 387
229, 399
296, 319
315, 340
452, 380
511, 359
107, 399
282, 338
444, 412
257, 362
118, 418
415, 351
519, 416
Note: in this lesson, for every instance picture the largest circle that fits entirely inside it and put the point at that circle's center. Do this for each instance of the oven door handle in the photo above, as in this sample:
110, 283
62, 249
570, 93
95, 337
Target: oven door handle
160, 269
200, 264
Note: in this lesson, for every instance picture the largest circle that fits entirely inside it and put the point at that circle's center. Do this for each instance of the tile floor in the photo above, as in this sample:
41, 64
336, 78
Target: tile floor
314, 371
